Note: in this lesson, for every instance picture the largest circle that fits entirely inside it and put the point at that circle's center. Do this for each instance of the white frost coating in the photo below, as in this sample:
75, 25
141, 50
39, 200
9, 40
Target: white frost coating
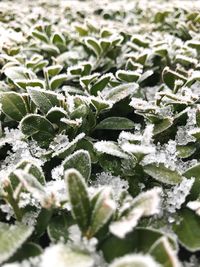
57, 172
194, 205
135, 260
149, 201
177, 196
183, 135
57, 189
137, 149
115, 182
60, 141
110, 148
63, 256
124, 226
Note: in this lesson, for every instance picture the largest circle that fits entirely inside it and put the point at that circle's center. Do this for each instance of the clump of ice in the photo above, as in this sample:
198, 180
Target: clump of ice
176, 196
117, 184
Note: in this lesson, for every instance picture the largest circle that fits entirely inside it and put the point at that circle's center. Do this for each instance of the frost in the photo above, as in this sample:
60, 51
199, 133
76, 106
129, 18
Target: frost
194, 205
30, 218
183, 136
115, 182
60, 141
135, 260
176, 196
110, 148
57, 172
57, 191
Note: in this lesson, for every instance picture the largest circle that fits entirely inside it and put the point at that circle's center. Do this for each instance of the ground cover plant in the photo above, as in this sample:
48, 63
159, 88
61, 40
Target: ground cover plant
99, 133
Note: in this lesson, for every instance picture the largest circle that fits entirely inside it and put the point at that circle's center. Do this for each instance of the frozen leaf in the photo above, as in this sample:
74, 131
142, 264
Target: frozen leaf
43, 99
94, 45
38, 127
69, 148
115, 123
54, 70
58, 228
187, 230
79, 160
169, 77
13, 105
65, 256
148, 201
120, 92
163, 174
103, 208
110, 148
11, 238
100, 84
146, 204
135, 260
127, 76
163, 253
78, 196
57, 81
126, 224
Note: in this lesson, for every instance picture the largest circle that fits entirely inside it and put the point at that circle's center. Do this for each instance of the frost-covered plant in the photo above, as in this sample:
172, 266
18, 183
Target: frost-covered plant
99, 133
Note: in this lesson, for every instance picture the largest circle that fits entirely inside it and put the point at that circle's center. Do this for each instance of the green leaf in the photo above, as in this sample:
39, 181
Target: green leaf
194, 171
18, 73
186, 151
40, 35
58, 228
28, 250
120, 92
162, 174
110, 148
38, 127
44, 99
54, 70
169, 77
79, 160
11, 238
101, 83
134, 260
163, 253
64, 152
145, 204
163, 125
115, 123
127, 75
33, 169
58, 38
64, 256
55, 114
78, 197
188, 230
24, 83
13, 105
57, 81
94, 45
103, 208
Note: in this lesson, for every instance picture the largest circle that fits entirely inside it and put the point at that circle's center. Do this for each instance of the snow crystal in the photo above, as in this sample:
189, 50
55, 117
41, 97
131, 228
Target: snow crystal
176, 196
5, 208
57, 190
60, 141
57, 172
30, 218
115, 182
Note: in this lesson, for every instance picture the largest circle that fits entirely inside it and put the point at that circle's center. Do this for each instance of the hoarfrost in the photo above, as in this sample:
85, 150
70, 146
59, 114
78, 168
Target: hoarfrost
176, 196
115, 182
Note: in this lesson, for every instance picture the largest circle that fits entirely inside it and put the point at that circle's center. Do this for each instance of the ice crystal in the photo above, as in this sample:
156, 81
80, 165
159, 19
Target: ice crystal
115, 182
176, 196
57, 172
60, 141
